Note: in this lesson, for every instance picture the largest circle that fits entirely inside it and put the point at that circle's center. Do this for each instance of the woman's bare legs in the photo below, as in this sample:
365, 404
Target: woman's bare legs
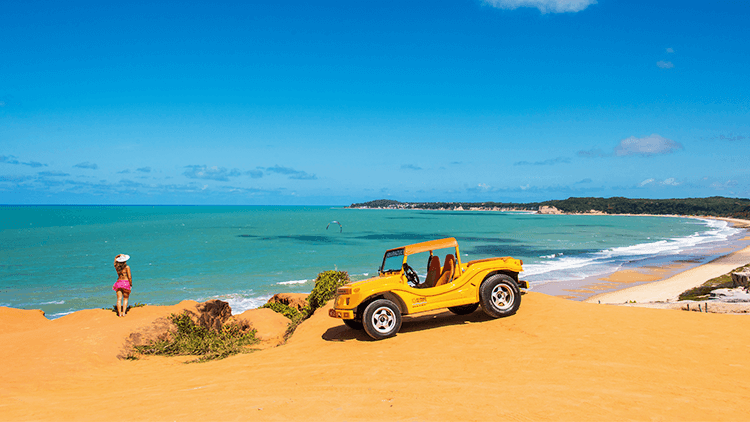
119, 302
125, 296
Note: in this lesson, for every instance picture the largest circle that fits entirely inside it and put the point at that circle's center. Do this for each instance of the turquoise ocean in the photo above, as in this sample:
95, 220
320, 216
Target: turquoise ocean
60, 258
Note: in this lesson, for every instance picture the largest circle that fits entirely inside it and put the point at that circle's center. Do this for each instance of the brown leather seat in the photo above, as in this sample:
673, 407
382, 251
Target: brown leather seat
433, 272
448, 269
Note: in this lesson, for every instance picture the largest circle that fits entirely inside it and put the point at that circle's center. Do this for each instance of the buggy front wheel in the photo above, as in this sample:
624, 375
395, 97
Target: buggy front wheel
381, 319
500, 296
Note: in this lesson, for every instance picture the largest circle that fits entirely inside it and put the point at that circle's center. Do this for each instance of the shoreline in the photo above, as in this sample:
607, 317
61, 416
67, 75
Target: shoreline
667, 289
655, 269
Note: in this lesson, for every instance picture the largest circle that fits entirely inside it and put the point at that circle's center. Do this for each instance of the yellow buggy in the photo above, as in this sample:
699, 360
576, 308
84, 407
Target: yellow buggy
377, 304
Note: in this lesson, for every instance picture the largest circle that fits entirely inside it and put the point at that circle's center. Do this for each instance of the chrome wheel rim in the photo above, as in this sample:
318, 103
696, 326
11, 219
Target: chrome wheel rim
383, 320
502, 297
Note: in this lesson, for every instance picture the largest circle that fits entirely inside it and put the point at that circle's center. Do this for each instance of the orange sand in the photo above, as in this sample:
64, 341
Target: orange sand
554, 360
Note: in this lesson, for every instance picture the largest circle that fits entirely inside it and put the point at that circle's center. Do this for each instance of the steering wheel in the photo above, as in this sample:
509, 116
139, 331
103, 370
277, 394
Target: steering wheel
411, 275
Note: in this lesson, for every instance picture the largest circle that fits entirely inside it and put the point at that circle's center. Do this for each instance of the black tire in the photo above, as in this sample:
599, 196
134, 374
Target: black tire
353, 324
381, 319
499, 296
464, 309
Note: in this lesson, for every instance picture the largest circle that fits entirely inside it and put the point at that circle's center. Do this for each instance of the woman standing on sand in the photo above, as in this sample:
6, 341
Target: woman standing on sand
123, 284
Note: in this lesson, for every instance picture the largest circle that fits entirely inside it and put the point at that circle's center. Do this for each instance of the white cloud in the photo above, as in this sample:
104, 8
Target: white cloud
648, 146
545, 6
722, 186
549, 162
292, 173
86, 165
210, 173
593, 153
664, 65
666, 182
670, 50
12, 160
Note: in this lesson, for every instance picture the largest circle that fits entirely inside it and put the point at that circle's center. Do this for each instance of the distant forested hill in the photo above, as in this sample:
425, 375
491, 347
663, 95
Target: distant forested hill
717, 206
714, 206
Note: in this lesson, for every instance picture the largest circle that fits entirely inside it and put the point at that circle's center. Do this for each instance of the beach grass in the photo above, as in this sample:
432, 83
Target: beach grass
703, 291
290, 312
191, 339
326, 284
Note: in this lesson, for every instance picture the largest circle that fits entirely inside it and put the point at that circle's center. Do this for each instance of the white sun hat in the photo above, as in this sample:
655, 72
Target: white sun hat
122, 258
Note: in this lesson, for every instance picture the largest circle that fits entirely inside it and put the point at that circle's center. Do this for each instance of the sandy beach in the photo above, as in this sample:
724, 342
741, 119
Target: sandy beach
662, 290
670, 288
556, 359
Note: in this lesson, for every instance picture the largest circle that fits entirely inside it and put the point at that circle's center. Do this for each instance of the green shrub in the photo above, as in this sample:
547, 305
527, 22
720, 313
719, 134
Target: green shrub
703, 291
192, 339
325, 287
286, 310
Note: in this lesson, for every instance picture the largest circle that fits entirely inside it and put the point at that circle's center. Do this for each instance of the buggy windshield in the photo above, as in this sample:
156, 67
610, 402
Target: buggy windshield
392, 260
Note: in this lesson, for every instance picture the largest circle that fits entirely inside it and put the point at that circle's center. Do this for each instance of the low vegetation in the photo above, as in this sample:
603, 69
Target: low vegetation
286, 310
703, 291
325, 288
191, 339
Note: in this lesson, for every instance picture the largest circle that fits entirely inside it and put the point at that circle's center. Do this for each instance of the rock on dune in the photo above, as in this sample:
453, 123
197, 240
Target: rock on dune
295, 300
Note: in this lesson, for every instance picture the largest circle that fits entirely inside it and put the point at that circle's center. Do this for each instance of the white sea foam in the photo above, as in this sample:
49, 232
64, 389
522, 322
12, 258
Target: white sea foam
292, 282
59, 314
609, 260
54, 302
241, 303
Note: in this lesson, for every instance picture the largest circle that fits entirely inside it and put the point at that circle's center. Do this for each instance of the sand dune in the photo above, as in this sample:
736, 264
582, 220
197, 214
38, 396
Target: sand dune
554, 360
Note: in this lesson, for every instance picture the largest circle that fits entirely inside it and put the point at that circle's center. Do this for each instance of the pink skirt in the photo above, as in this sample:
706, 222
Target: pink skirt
121, 284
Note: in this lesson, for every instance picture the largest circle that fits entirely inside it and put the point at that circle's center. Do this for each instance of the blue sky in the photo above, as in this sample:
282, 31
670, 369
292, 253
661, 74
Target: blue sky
334, 102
